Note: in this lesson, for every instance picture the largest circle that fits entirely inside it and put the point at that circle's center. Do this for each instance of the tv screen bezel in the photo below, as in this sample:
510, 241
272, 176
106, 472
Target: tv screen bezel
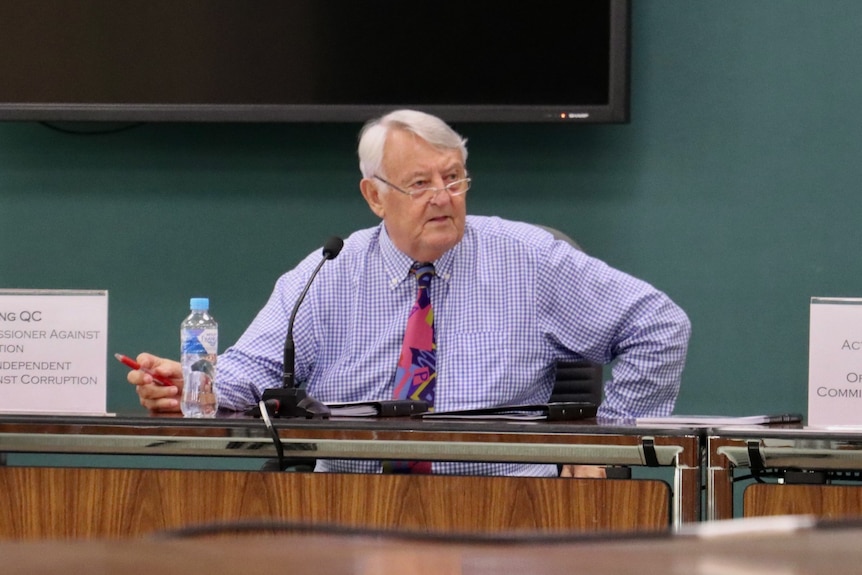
616, 110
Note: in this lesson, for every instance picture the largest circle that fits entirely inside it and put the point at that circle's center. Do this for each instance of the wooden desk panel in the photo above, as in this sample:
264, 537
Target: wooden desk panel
584, 442
777, 449
824, 501
71, 502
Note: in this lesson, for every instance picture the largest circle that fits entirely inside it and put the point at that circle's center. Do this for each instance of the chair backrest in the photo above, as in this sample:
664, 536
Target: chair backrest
558, 235
576, 380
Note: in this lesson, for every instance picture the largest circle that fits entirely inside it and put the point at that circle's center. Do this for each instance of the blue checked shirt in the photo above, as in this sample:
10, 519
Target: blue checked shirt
509, 301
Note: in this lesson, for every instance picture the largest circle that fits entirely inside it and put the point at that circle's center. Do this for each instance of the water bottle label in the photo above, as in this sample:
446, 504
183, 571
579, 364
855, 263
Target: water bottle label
199, 341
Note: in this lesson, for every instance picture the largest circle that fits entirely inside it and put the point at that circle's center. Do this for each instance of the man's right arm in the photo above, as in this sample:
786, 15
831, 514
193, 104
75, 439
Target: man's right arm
256, 361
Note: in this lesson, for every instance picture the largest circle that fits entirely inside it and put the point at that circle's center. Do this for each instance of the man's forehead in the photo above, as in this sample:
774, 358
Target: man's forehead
398, 151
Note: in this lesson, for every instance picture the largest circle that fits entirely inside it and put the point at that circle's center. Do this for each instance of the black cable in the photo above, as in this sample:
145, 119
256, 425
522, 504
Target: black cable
776, 474
755, 476
279, 448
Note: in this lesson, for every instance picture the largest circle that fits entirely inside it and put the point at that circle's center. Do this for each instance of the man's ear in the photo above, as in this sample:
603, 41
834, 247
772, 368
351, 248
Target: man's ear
369, 190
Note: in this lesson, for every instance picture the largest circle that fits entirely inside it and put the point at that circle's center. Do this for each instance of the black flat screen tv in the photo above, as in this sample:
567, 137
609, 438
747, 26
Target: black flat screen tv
314, 60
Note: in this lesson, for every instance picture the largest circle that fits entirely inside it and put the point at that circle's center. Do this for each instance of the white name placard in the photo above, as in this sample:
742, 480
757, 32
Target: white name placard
53, 351
835, 362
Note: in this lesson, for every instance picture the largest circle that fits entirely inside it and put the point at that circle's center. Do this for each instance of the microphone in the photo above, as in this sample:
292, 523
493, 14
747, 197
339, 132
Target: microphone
288, 400
331, 249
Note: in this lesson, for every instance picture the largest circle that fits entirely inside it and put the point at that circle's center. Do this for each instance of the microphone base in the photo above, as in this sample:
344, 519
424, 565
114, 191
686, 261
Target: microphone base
292, 402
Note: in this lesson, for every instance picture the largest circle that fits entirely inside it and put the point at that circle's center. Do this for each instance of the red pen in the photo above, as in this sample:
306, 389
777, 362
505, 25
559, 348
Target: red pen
129, 362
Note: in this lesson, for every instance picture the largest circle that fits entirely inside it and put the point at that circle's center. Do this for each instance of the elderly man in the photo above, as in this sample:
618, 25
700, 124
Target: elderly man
460, 311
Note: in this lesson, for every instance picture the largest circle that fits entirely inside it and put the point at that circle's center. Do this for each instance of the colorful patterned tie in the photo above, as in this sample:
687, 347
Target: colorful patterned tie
417, 366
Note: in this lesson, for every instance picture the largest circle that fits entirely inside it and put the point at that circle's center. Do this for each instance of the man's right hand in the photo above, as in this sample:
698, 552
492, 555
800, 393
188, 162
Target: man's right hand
158, 398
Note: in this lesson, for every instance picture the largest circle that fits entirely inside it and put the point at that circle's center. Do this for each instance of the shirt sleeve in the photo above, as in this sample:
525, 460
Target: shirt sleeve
604, 315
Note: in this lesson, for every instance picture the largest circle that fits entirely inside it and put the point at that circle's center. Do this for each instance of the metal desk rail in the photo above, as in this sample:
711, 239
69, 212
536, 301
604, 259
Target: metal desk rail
363, 438
761, 448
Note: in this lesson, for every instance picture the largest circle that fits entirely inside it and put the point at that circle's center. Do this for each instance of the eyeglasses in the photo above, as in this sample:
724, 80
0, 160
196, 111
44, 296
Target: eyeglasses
456, 188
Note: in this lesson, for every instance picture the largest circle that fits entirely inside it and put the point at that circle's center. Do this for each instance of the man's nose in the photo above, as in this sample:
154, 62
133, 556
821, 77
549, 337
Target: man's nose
441, 194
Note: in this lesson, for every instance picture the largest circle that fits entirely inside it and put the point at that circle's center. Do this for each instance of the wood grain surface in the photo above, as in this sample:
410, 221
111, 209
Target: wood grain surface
37, 502
825, 501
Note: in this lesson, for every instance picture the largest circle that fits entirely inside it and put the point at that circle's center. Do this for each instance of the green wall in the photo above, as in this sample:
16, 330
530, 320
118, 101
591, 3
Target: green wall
734, 189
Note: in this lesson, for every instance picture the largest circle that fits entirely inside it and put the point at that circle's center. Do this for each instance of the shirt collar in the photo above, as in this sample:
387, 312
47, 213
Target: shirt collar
397, 264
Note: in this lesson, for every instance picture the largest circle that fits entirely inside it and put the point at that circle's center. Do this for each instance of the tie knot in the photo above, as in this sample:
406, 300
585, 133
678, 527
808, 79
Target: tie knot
422, 269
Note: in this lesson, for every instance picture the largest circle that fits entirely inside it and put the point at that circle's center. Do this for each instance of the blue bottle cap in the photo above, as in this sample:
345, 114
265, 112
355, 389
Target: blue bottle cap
199, 303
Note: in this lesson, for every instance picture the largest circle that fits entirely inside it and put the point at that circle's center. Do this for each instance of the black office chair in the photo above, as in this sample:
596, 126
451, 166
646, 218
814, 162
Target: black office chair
578, 381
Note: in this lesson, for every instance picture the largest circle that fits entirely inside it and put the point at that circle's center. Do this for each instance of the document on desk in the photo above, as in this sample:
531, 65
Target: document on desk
383, 408
555, 411
720, 420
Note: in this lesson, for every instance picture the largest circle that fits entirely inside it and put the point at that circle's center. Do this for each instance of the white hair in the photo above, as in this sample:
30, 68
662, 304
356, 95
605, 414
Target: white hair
430, 128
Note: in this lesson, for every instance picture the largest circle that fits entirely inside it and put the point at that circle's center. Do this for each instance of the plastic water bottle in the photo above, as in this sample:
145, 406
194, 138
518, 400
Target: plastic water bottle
198, 349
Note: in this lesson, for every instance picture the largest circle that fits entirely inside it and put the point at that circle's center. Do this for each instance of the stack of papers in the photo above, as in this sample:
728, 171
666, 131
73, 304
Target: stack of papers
387, 408
554, 411
719, 420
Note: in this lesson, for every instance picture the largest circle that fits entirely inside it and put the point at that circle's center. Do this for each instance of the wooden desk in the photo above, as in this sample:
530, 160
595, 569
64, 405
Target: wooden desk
784, 449
38, 499
804, 552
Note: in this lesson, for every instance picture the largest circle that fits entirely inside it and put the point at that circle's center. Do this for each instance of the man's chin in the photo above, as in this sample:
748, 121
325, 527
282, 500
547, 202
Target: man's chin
440, 243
